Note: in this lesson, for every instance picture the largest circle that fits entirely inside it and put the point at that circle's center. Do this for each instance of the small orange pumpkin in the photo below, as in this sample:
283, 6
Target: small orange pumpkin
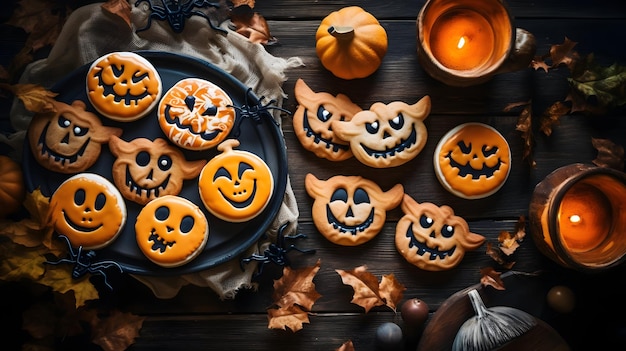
12, 190
351, 43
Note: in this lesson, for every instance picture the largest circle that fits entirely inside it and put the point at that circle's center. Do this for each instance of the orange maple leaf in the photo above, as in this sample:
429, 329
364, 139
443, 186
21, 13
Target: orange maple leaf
368, 293
292, 317
35, 98
116, 331
120, 8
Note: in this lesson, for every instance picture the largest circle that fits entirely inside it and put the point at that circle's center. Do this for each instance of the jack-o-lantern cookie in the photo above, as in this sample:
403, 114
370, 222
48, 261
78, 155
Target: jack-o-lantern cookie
171, 231
432, 237
69, 139
350, 210
123, 86
235, 185
88, 210
312, 121
146, 169
196, 114
386, 135
472, 161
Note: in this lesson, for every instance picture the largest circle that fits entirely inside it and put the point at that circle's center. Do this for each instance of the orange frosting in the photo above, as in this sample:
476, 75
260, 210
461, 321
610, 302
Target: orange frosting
123, 86
472, 160
171, 231
235, 185
196, 114
89, 210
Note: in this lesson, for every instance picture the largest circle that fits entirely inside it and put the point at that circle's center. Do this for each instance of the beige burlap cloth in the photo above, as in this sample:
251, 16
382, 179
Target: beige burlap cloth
91, 32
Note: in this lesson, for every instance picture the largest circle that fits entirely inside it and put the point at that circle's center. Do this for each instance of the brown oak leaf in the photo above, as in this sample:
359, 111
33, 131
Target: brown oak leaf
346, 346
116, 331
292, 317
120, 8
551, 116
251, 25
563, 53
524, 126
490, 276
610, 155
368, 293
296, 287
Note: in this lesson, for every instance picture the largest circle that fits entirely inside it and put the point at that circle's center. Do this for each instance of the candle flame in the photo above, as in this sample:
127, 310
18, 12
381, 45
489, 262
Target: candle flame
461, 42
575, 219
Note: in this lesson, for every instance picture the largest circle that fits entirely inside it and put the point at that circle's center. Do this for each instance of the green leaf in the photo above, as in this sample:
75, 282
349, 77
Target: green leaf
606, 83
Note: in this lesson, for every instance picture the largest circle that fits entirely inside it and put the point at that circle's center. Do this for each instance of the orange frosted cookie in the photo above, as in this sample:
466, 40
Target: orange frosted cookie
386, 135
312, 121
432, 237
196, 114
472, 161
123, 86
171, 231
69, 139
145, 169
88, 210
235, 185
350, 210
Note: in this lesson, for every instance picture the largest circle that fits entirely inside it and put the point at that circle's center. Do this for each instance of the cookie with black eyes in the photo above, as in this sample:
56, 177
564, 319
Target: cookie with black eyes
386, 135
350, 210
146, 169
313, 117
432, 237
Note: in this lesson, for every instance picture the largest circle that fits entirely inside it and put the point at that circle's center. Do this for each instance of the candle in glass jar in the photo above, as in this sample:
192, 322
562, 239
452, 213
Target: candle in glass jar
462, 39
585, 217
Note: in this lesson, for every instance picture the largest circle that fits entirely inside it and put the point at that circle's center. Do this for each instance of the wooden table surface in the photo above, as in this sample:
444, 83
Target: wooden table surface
196, 319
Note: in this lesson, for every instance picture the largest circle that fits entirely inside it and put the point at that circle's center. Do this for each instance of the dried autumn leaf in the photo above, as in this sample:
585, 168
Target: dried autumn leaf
18, 262
243, 2
251, 25
524, 125
496, 253
368, 293
551, 116
120, 8
563, 53
117, 331
296, 287
59, 278
42, 19
35, 98
538, 63
610, 155
489, 276
292, 317
346, 346
40, 320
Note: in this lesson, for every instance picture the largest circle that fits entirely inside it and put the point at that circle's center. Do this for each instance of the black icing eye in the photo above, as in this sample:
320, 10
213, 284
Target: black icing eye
165, 163
101, 200
117, 71
79, 131
162, 213
242, 168
488, 151
209, 109
447, 231
397, 122
466, 149
360, 196
372, 128
339, 195
186, 224
79, 197
64, 122
222, 172
142, 158
426, 222
323, 114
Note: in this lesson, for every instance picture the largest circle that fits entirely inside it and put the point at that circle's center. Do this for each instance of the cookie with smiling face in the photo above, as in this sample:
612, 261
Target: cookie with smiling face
386, 135
69, 139
312, 121
350, 210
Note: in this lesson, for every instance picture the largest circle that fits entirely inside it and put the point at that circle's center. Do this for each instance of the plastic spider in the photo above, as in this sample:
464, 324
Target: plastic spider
256, 112
177, 11
277, 253
84, 262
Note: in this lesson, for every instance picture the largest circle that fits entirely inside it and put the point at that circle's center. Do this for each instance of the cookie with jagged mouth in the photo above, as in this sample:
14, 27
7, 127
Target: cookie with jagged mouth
346, 228
423, 249
404, 144
158, 243
328, 144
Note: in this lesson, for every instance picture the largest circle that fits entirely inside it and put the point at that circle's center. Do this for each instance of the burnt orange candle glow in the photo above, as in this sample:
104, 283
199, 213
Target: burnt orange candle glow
462, 40
585, 217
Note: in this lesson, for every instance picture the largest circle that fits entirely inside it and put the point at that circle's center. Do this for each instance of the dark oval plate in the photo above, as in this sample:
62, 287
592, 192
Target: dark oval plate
260, 136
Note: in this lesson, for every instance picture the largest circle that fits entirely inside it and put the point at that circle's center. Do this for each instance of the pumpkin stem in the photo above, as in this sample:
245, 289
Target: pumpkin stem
341, 32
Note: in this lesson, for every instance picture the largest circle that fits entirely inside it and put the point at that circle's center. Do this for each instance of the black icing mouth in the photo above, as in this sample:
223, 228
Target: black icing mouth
392, 151
147, 192
57, 157
206, 135
240, 204
158, 243
318, 139
422, 249
352, 229
466, 169
128, 98
78, 227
